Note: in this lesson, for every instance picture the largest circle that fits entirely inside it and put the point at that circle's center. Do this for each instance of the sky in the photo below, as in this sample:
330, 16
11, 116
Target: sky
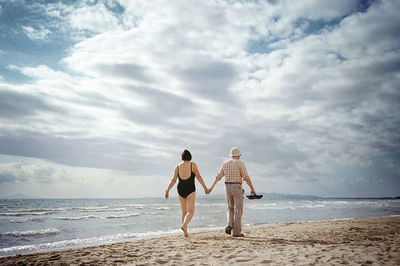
99, 98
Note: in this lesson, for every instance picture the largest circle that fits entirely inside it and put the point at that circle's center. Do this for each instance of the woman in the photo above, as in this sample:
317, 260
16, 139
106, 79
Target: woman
186, 171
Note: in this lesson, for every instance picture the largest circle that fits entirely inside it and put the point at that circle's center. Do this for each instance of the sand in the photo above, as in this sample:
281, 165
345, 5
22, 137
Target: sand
374, 241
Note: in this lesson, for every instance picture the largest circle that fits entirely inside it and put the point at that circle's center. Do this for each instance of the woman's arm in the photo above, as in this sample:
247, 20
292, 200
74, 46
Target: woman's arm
213, 185
172, 183
198, 176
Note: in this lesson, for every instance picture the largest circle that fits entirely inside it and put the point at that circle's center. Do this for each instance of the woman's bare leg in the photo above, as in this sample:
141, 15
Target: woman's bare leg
183, 207
183, 202
190, 204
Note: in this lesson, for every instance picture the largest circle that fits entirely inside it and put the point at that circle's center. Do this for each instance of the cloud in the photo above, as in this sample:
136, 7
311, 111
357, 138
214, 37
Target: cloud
210, 80
302, 92
14, 105
127, 71
96, 153
12, 173
34, 34
327, 10
39, 178
95, 18
40, 72
84, 18
161, 107
7, 178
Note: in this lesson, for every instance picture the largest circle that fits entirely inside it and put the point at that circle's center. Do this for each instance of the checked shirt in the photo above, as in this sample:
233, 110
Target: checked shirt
233, 170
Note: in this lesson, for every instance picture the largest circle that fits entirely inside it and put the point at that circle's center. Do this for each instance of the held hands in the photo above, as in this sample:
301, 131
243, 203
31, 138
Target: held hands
208, 190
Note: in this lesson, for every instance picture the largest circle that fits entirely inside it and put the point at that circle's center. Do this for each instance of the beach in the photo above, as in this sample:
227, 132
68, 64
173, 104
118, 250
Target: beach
372, 241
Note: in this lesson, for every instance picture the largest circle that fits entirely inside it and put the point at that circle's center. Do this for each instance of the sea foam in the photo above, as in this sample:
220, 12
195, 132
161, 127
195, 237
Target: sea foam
43, 232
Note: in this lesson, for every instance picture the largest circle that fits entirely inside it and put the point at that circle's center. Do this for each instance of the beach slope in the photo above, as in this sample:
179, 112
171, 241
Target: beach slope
356, 242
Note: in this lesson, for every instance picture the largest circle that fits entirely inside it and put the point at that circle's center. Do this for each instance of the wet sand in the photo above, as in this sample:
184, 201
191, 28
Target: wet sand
374, 241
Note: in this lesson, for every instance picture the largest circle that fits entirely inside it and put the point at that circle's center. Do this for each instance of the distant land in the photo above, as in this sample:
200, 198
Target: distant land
273, 196
282, 196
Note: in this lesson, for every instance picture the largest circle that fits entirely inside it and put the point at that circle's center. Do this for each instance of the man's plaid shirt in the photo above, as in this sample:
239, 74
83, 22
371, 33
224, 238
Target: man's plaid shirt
233, 170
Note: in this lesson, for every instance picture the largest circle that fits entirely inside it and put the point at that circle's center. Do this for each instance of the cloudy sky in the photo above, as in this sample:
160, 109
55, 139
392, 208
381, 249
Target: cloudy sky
99, 98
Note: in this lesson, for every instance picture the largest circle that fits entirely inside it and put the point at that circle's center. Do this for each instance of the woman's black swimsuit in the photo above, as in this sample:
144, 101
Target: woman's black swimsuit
186, 186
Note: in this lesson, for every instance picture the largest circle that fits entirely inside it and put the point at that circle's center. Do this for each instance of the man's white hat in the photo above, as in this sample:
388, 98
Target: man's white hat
235, 152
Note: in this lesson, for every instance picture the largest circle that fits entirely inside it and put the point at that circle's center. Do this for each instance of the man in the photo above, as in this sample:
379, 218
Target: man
235, 172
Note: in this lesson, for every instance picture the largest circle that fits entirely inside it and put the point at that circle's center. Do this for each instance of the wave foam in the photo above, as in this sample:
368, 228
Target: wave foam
77, 218
122, 216
43, 232
25, 213
80, 242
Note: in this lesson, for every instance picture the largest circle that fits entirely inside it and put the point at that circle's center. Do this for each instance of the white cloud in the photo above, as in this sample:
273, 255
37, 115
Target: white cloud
157, 78
34, 34
38, 178
94, 18
40, 72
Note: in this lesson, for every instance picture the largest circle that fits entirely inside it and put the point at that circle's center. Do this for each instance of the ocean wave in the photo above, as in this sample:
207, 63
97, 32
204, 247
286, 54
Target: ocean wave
163, 208
95, 209
122, 216
79, 242
106, 239
118, 209
77, 218
137, 206
91, 208
34, 219
285, 207
43, 232
25, 213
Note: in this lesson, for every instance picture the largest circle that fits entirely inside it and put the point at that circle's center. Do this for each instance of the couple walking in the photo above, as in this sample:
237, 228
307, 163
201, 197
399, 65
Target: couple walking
234, 171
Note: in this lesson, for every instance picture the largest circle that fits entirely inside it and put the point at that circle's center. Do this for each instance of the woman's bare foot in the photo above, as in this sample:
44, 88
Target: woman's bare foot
184, 229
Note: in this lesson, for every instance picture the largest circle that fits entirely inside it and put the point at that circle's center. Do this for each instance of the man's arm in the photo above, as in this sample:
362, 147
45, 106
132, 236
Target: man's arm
246, 177
217, 178
248, 181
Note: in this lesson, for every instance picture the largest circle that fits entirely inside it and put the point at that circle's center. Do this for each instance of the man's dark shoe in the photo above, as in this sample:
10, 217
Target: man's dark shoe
228, 229
239, 235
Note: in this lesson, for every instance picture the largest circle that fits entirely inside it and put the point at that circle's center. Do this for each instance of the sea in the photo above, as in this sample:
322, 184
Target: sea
36, 225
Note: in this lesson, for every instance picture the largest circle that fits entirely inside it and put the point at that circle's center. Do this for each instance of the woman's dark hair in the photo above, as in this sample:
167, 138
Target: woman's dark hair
186, 156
